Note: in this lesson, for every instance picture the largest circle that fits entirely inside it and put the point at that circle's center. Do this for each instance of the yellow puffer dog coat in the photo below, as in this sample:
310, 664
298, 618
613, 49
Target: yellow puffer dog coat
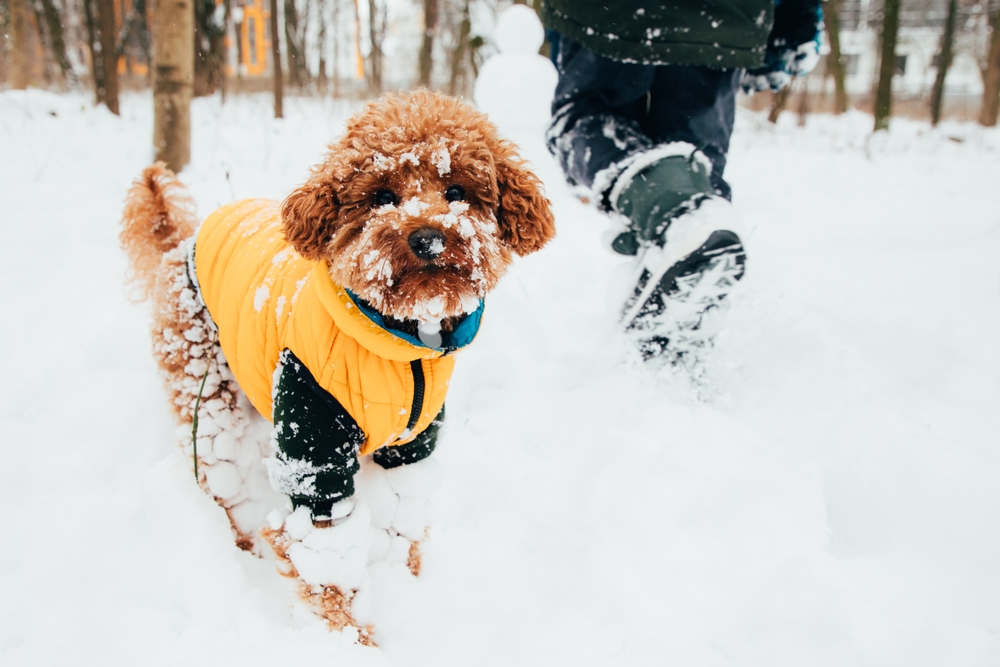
272, 306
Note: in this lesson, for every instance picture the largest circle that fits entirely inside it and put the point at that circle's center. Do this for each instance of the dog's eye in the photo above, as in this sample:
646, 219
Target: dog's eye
386, 197
455, 193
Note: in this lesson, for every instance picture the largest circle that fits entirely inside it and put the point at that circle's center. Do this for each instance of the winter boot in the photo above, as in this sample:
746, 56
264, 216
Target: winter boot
690, 252
657, 187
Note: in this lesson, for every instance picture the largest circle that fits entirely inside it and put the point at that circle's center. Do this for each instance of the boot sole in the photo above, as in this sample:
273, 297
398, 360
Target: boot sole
667, 313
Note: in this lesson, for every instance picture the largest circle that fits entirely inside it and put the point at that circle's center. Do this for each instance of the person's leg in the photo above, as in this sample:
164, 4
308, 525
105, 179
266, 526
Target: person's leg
597, 111
631, 133
682, 225
696, 105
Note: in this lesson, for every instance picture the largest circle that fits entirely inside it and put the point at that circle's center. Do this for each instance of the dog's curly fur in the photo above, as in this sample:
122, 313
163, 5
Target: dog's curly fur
415, 147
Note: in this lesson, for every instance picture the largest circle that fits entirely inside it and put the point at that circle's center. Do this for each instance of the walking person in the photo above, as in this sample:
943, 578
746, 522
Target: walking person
641, 119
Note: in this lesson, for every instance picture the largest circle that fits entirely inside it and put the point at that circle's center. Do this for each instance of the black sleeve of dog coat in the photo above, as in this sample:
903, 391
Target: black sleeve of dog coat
416, 450
317, 441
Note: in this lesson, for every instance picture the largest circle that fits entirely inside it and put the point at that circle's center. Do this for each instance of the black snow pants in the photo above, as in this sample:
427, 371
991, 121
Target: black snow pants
605, 111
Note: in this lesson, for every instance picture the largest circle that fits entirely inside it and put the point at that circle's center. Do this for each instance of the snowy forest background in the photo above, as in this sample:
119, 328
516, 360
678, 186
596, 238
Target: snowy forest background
946, 52
828, 493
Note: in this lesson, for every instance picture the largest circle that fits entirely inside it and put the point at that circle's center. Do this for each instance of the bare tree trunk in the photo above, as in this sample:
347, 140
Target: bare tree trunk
101, 34
54, 23
335, 22
106, 22
426, 59
279, 94
804, 103
461, 47
39, 29
238, 31
5, 27
375, 56
887, 66
20, 62
944, 62
225, 70
779, 101
321, 39
94, 45
294, 55
359, 61
173, 81
209, 49
305, 74
990, 111
836, 58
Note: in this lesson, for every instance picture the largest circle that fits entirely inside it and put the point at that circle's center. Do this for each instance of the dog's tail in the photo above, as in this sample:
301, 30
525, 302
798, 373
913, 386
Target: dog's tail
159, 214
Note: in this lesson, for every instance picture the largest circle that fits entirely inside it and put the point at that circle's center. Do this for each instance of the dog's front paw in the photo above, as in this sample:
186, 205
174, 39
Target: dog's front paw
328, 557
398, 498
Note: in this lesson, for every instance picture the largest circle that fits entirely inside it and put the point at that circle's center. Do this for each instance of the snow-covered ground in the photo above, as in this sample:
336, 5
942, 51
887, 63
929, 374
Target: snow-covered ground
832, 497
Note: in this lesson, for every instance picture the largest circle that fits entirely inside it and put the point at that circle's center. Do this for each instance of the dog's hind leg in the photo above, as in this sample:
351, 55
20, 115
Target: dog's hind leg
232, 438
157, 234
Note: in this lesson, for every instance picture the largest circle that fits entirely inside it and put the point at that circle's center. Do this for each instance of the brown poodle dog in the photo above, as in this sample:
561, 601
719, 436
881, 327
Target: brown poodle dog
334, 318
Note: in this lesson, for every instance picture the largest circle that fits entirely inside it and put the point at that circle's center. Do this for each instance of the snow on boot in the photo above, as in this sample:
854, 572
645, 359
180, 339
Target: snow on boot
658, 186
327, 556
398, 501
676, 307
690, 253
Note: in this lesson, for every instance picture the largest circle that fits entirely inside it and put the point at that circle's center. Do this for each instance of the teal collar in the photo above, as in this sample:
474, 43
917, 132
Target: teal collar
461, 336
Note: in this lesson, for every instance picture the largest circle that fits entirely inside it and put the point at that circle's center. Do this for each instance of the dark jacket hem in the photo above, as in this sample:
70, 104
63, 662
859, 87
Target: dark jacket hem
659, 52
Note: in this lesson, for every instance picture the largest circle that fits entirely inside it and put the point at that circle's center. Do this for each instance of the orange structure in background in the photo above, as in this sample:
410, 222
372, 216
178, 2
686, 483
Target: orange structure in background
130, 62
254, 43
253, 38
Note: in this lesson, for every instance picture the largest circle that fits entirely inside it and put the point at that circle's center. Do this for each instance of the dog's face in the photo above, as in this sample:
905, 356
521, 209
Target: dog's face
419, 207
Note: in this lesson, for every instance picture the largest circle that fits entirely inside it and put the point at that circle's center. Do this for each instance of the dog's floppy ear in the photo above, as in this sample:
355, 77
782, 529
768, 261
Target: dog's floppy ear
524, 216
308, 216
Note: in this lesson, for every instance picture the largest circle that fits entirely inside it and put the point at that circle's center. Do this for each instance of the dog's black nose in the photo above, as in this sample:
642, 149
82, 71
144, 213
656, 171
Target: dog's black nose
427, 243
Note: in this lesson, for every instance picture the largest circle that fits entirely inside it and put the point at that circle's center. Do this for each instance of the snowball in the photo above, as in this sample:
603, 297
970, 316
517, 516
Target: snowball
342, 508
207, 427
416, 480
205, 452
336, 555
223, 480
225, 446
299, 523
339, 539
227, 418
379, 547
276, 517
373, 488
314, 567
410, 519
399, 550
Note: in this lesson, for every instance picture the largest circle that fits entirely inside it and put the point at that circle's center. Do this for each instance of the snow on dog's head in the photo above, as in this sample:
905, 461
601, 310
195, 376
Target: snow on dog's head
418, 207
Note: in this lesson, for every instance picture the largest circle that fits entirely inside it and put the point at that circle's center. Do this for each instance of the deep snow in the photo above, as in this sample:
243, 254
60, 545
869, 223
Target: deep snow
831, 499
